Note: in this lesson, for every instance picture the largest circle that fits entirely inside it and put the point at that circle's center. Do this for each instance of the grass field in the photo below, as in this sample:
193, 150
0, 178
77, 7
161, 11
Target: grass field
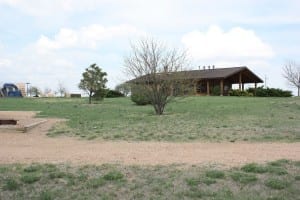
186, 119
273, 181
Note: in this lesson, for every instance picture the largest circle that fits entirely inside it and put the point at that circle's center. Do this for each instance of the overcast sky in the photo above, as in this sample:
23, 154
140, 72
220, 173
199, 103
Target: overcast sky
45, 42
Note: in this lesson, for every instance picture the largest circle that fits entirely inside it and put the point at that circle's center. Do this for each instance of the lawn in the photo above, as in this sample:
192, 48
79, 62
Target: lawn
272, 181
186, 119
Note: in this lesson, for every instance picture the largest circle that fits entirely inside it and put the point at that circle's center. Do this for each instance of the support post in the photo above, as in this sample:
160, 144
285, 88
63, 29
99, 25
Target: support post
221, 87
207, 88
243, 86
240, 81
255, 86
195, 87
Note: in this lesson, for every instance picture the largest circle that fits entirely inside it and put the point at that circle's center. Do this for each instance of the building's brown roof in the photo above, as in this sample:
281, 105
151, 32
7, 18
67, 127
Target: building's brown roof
217, 73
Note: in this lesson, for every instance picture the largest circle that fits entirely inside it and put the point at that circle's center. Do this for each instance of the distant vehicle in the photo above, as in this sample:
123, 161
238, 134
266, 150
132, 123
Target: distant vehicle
10, 90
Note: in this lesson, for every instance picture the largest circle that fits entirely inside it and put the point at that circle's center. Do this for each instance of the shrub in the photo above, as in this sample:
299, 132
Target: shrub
216, 91
113, 94
75, 95
100, 94
270, 92
139, 96
240, 93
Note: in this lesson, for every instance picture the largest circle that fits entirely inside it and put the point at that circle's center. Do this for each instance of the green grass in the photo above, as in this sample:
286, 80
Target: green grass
147, 182
243, 178
276, 183
30, 178
254, 168
215, 174
186, 119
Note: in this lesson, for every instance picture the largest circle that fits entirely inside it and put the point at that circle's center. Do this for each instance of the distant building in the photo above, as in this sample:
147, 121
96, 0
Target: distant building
202, 82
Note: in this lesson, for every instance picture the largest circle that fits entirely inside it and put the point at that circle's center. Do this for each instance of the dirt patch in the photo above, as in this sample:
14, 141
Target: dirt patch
35, 146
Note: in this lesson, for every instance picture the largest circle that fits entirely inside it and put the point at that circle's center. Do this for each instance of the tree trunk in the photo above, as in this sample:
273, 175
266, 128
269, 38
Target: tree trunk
90, 99
159, 108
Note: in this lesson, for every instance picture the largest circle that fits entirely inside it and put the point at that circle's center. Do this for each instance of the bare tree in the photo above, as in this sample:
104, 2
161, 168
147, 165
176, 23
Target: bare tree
61, 90
34, 91
154, 66
47, 91
291, 72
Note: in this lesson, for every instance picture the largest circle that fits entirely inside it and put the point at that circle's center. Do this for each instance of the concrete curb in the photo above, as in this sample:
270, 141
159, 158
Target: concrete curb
21, 128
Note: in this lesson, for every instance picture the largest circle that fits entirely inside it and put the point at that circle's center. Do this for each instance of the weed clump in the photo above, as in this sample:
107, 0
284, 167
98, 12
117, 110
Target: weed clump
11, 184
215, 174
276, 184
243, 178
254, 168
113, 176
30, 178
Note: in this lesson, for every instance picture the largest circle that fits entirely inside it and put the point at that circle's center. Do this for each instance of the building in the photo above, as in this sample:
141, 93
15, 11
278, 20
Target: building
202, 82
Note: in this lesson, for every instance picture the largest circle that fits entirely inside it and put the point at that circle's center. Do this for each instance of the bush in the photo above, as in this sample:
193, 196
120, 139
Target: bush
140, 99
113, 94
216, 91
139, 96
270, 92
240, 93
100, 94
75, 95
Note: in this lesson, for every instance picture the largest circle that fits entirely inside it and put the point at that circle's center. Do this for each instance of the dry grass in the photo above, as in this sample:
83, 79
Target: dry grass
152, 182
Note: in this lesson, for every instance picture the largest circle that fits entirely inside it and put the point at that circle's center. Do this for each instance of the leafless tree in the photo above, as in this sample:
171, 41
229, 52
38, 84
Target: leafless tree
153, 67
61, 90
34, 91
291, 72
47, 91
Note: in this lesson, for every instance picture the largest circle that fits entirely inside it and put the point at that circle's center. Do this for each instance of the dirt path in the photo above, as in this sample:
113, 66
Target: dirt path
35, 146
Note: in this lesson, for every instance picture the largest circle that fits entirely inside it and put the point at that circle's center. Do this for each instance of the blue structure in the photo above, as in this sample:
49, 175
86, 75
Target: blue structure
11, 90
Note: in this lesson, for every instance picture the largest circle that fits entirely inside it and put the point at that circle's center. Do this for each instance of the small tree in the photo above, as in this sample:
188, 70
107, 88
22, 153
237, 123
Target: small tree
61, 90
291, 72
124, 88
93, 81
154, 68
34, 91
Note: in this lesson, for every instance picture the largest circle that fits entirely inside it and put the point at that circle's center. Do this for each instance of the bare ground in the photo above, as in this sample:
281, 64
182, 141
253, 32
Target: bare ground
35, 146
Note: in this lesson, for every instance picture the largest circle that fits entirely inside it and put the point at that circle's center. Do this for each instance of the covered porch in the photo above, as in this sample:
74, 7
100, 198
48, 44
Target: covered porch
206, 86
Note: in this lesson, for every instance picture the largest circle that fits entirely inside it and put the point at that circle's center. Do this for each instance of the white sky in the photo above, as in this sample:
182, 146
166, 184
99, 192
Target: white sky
47, 42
